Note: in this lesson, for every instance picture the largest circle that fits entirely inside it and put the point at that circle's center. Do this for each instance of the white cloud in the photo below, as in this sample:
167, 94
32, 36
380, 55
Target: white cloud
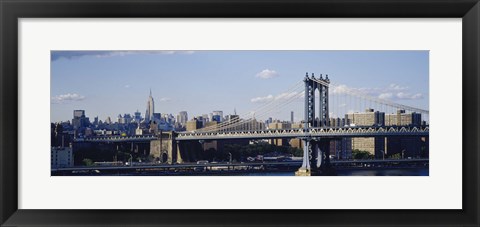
262, 99
66, 98
267, 74
340, 89
165, 99
105, 54
403, 95
392, 92
397, 87
286, 96
385, 95
127, 86
281, 97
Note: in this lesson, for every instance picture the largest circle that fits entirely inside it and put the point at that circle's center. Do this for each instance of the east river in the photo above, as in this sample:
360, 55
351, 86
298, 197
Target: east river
358, 172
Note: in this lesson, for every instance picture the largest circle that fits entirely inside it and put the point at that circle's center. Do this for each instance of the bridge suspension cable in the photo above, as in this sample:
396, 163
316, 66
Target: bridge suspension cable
292, 92
359, 94
266, 110
352, 98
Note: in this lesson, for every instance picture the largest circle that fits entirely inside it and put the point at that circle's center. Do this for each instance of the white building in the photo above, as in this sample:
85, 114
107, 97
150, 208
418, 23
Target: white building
61, 157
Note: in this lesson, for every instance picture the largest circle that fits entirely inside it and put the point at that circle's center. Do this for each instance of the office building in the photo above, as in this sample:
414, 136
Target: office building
157, 117
79, 119
150, 108
194, 124
218, 113
125, 119
182, 118
137, 117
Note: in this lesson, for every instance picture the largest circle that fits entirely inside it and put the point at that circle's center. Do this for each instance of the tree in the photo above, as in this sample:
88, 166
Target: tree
358, 154
88, 162
395, 156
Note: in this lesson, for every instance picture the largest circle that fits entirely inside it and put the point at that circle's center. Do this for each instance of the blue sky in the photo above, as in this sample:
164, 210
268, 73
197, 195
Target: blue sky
108, 83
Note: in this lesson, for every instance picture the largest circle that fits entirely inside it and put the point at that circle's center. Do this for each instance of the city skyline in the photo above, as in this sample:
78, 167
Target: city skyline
108, 83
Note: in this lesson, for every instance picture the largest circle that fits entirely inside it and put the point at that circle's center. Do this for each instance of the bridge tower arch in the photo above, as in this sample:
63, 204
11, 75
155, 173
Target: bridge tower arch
312, 151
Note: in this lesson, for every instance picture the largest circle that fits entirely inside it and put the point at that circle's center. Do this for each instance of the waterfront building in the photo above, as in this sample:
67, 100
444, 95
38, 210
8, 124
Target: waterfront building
367, 118
297, 143
61, 157
341, 148
375, 146
403, 119
337, 122
279, 125
407, 146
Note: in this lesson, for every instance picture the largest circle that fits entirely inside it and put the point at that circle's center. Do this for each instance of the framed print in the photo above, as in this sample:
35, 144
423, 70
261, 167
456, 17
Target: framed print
201, 113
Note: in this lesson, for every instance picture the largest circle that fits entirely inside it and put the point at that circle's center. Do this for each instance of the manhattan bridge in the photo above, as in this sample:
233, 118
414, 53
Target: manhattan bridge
324, 102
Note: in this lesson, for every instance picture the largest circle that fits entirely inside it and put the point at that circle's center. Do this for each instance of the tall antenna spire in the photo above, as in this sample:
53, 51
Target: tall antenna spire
150, 91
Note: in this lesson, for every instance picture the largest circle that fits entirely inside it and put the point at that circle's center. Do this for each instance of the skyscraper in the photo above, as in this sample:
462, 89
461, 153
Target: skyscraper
291, 117
138, 117
219, 113
182, 118
79, 119
150, 108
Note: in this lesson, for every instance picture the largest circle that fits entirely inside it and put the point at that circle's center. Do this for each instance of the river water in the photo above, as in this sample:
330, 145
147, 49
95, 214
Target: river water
358, 172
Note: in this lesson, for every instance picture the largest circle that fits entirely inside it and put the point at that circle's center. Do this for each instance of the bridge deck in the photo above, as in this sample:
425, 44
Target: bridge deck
363, 131
313, 132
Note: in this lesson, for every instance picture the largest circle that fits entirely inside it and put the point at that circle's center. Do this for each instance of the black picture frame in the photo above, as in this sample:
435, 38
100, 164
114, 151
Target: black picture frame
12, 10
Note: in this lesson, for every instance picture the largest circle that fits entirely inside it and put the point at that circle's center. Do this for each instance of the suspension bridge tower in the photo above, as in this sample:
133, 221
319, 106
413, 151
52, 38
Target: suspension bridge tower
314, 152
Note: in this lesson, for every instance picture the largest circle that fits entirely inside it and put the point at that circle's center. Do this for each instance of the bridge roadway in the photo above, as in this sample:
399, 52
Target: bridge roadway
356, 131
249, 164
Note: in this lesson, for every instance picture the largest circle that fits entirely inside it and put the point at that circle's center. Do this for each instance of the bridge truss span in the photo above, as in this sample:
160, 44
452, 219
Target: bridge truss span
363, 131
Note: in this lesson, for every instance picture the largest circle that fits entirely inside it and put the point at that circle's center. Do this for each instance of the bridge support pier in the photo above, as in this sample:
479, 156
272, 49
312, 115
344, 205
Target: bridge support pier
305, 170
316, 158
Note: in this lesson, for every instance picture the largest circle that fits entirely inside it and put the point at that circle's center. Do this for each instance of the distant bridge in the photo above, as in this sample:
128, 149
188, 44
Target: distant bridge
102, 139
